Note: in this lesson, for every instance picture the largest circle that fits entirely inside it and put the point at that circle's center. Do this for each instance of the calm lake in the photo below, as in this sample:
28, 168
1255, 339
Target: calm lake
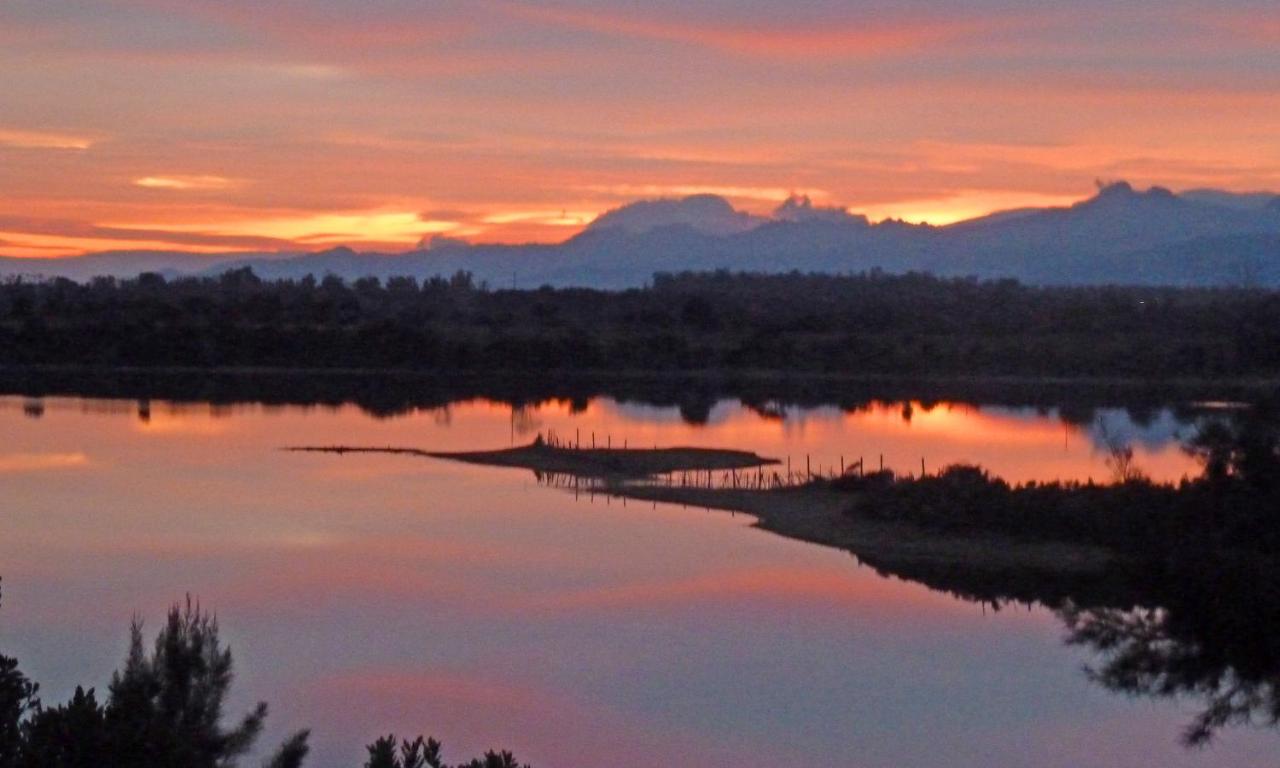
364, 594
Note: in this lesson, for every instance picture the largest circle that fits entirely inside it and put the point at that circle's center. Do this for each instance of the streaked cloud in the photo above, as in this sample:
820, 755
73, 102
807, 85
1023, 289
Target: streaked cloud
776, 194
545, 218
854, 36
42, 140
26, 236
36, 245
312, 71
385, 227
183, 183
521, 120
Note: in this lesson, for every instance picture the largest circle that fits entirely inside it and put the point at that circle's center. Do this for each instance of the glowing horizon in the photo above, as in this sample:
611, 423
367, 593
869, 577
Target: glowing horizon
230, 127
402, 230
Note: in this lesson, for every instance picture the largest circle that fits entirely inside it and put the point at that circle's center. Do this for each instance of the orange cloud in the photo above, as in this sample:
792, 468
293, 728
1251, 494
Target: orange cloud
844, 40
183, 183
561, 218
42, 140
393, 227
777, 194
523, 119
34, 245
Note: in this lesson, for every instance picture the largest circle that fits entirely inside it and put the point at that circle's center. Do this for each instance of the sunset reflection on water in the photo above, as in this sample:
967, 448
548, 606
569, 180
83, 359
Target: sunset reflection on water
1019, 444
369, 593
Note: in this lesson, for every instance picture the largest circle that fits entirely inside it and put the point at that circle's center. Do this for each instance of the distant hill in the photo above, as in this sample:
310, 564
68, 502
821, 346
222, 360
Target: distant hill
1246, 200
125, 264
1121, 235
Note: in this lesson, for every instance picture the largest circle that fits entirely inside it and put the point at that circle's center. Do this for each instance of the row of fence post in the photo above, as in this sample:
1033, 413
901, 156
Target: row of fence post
554, 440
748, 479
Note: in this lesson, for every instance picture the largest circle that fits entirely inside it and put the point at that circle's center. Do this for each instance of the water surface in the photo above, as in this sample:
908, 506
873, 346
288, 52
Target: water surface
366, 593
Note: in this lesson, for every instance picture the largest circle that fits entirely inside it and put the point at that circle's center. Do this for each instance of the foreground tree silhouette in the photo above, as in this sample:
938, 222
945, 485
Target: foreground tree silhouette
17, 698
165, 710
421, 753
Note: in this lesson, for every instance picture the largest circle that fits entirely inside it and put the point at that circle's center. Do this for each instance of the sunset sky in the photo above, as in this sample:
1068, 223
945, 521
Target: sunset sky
228, 124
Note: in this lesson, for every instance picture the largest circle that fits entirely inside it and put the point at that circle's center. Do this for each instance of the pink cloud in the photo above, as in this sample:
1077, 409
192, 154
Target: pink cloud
849, 39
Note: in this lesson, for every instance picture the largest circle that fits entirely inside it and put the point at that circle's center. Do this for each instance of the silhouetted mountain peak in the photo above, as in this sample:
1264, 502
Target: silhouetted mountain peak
799, 208
710, 214
1122, 200
903, 225
1245, 201
341, 251
1114, 190
1122, 234
1124, 191
441, 243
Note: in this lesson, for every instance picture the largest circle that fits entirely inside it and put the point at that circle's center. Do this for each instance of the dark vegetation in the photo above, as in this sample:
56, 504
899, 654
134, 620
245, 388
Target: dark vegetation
1202, 628
864, 324
1234, 504
1192, 608
164, 709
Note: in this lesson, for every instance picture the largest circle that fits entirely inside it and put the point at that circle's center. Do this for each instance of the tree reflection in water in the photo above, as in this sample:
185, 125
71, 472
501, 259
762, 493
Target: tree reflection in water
1189, 607
1213, 639
1210, 630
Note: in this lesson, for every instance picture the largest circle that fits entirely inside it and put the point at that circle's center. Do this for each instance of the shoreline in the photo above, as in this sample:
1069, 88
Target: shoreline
809, 511
704, 375
824, 517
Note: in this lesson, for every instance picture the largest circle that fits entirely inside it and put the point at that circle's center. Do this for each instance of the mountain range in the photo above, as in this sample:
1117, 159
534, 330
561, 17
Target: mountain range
1120, 235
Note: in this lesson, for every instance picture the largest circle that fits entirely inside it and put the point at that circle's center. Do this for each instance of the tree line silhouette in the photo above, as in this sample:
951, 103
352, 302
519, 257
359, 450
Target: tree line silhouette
866, 323
165, 709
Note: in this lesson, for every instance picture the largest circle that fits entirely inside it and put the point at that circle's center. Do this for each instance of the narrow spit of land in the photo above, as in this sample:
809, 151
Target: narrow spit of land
621, 463
813, 513
807, 511
959, 516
